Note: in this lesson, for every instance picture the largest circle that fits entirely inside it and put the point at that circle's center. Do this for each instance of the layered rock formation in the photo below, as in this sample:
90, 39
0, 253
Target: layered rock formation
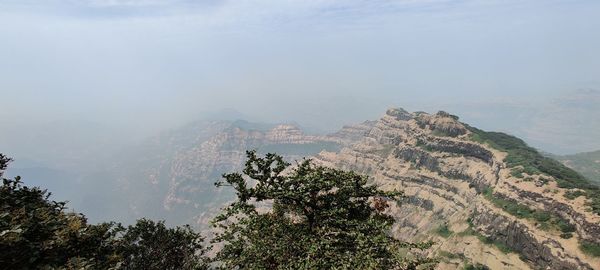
462, 195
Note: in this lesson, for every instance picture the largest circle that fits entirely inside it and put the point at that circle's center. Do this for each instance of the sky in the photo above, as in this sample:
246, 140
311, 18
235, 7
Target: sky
134, 67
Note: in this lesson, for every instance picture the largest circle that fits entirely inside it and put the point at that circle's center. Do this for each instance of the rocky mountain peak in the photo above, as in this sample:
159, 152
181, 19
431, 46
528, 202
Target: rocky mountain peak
399, 114
467, 193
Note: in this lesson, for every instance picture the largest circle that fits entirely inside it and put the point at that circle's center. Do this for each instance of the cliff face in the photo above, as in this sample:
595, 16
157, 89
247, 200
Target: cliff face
461, 194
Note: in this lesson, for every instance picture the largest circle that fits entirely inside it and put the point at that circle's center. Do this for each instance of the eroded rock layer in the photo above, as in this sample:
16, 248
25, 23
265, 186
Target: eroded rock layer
461, 194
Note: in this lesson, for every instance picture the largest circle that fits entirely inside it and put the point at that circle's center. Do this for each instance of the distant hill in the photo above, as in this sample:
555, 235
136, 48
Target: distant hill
588, 164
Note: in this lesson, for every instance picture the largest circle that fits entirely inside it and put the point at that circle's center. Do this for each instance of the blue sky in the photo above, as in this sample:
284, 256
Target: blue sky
149, 65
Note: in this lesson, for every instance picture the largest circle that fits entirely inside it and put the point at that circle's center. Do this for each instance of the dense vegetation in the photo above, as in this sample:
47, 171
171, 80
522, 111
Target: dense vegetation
38, 233
590, 248
528, 160
321, 218
443, 231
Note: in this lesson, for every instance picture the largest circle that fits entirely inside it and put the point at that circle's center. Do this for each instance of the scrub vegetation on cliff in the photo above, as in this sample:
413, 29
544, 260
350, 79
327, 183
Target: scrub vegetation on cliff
546, 220
526, 159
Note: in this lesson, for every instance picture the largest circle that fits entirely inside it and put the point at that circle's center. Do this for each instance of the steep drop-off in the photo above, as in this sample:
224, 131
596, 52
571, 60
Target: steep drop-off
469, 191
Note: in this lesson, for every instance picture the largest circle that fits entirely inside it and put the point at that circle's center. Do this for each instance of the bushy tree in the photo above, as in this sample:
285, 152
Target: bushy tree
315, 218
38, 233
152, 245
4, 160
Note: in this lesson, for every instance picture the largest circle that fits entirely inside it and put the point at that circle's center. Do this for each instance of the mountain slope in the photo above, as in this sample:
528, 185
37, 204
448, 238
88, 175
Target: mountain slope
485, 197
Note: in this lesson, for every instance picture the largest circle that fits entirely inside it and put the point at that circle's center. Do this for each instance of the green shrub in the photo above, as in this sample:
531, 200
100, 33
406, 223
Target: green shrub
565, 226
444, 231
571, 195
449, 255
566, 235
541, 216
502, 247
487, 240
517, 172
592, 249
513, 208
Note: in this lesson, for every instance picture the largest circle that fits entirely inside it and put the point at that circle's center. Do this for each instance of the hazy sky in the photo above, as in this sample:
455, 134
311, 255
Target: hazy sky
528, 67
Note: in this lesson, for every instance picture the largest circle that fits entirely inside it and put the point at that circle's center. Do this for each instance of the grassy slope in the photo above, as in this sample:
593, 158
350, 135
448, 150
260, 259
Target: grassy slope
532, 162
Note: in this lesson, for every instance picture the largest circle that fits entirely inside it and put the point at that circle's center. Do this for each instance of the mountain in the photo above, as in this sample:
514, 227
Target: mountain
483, 197
588, 164
172, 176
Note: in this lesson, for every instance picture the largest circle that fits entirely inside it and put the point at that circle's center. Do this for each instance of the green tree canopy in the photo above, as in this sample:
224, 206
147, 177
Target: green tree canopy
317, 218
38, 233
152, 245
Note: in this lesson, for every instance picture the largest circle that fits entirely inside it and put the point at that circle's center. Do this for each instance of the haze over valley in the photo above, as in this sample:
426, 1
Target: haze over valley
485, 114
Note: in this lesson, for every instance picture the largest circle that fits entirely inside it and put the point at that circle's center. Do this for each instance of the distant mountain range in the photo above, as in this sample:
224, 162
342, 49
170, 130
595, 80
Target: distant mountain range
588, 164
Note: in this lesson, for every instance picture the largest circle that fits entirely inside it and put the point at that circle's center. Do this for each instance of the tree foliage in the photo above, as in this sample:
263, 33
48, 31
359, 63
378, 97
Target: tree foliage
316, 218
38, 233
152, 245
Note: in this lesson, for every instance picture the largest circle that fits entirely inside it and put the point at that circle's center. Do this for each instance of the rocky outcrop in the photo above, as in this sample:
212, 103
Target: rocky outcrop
540, 253
460, 148
441, 123
587, 230
445, 175
353, 133
417, 157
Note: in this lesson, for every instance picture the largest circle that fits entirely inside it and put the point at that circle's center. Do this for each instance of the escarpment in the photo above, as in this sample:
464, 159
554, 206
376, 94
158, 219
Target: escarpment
462, 194
540, 253
482, 197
